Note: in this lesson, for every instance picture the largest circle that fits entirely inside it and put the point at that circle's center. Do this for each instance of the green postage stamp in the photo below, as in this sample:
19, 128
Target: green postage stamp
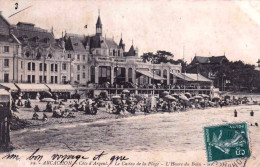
227, 142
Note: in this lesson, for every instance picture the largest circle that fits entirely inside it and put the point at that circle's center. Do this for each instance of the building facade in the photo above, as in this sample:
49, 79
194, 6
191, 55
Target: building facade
29, 54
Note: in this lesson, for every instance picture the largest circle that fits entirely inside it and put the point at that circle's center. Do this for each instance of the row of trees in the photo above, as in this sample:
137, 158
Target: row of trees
236, 76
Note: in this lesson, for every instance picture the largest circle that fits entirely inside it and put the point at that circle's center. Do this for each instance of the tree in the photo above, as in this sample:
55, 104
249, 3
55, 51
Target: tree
159, 57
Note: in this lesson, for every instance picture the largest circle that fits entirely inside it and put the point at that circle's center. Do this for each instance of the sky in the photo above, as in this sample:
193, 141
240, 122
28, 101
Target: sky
185, 28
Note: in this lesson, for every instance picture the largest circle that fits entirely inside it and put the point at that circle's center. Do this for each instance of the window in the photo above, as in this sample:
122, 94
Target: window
29, 66
52, 67
92, 72
29, 78
33, 78
45, 67
40, 78
83, 75
130, 75
40, 66
6, 77
114, 52
64, 66
21, 78
6, 49
51, 79
69, 56
21, 64
56, 67
33, 66
78, 77
78, 57
84, 57
78, 67
84, 67
63, 78
6, 62
56, 79
45, 79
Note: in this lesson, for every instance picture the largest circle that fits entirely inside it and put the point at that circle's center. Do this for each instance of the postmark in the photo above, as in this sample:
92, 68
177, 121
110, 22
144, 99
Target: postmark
228, 141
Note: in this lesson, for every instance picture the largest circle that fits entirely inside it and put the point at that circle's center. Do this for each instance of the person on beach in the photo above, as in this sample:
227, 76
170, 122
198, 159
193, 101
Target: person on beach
48, 107
36, 108
14, 107
44, 118
28, 103
35, 116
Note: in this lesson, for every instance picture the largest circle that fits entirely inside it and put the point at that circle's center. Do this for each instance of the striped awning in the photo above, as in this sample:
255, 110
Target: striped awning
32, 87
9, 86
60, 88
182, 76
198, 77
151, 75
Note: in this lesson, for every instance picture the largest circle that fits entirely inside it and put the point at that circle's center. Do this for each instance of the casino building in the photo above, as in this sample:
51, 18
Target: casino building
109, 61
29, 54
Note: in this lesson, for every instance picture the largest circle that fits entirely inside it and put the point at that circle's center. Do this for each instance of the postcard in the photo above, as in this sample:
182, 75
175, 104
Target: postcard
129, 83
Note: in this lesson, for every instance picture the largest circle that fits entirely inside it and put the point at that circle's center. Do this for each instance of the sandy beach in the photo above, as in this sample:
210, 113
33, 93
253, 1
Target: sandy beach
140, 135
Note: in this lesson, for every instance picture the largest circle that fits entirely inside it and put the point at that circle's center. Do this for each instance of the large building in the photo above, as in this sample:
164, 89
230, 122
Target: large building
209, 67
29, 54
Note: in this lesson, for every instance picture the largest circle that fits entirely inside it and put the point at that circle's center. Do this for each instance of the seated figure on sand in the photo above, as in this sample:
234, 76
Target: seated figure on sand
35, 116
36, 108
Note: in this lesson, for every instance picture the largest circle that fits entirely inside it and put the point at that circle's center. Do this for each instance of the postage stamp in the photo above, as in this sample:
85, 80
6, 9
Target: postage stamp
228, 141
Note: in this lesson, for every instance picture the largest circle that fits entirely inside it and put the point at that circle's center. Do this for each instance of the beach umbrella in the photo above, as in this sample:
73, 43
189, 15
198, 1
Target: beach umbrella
204, 95
165, 93
172, 98
215, 99
183, 97
175, 95
197, 97
116, 97
48, 93
187, 94
47, 100
191, 98
125, 91
169, 97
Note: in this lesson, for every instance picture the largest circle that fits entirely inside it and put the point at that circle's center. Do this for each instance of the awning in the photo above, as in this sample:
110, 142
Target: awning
198, 77
9, 86
182, 76
60, 88
4, 96
32, 87
151, 75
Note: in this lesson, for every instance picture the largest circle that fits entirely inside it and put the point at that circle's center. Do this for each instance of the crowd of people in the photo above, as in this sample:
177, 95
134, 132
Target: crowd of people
127, 103
149, 86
